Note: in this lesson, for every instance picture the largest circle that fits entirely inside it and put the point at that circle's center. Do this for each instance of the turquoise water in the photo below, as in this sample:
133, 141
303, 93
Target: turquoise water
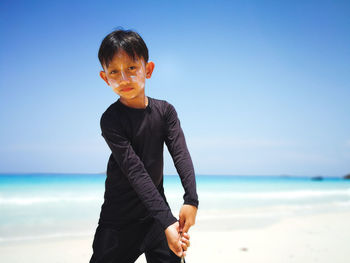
53, 205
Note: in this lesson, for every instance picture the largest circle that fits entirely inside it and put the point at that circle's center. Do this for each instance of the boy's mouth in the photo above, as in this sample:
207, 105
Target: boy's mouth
126, 89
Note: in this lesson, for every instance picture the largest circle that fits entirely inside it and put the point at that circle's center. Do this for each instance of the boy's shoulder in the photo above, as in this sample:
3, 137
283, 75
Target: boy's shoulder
162, 106
109, 113
158, 103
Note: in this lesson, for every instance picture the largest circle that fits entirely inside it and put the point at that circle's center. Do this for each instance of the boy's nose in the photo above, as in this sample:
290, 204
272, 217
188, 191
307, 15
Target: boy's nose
124, 76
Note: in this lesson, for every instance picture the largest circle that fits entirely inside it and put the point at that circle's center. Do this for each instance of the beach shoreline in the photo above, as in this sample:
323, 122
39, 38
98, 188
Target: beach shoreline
311, 238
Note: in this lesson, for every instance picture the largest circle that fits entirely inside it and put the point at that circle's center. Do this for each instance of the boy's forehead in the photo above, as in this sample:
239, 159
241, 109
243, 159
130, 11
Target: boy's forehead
121, 54
121, 57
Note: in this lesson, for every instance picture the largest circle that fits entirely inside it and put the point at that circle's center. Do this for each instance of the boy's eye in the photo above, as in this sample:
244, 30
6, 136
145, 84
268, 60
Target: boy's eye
113, 72
132, 67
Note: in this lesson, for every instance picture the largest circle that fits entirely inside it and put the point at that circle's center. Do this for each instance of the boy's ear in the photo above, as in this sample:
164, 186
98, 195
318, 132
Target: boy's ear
104, 77
149, 69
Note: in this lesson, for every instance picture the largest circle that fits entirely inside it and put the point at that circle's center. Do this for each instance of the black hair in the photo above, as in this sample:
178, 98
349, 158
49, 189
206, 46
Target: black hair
126, 40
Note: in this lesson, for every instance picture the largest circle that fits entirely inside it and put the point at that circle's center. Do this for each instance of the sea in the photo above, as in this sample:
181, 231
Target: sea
47, 206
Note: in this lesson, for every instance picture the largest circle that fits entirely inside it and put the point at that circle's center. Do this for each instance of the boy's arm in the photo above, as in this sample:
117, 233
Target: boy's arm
133, 168
175, 141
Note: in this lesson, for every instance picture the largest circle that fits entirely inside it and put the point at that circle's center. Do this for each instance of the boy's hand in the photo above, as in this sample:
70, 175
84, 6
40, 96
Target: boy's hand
185, 242
187, 217
173, 237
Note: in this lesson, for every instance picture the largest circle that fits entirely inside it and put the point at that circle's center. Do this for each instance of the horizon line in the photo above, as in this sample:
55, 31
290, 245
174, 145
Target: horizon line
261, 175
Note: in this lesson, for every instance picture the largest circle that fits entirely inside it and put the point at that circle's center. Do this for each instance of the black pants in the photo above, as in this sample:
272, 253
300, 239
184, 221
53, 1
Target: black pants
125, 245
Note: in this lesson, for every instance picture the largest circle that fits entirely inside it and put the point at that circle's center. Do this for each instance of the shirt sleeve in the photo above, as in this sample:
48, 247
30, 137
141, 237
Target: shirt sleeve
175, 141
140, 180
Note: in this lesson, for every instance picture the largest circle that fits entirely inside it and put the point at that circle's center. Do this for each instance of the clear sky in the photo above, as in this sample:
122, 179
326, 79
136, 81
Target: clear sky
261, 87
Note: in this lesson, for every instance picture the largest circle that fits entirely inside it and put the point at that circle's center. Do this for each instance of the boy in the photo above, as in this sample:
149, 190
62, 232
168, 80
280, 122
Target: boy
135, 217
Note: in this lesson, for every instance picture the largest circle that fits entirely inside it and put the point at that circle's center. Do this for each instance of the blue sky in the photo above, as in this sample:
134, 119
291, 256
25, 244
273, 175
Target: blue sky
261, 87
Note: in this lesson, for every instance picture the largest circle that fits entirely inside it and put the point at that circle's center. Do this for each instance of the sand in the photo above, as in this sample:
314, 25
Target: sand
323, 238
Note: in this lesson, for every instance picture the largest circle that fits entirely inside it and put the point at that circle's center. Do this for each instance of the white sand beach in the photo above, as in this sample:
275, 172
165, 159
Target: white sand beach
320, 238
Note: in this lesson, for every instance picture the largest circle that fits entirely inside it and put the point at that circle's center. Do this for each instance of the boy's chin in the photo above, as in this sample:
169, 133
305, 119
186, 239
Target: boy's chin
127, 96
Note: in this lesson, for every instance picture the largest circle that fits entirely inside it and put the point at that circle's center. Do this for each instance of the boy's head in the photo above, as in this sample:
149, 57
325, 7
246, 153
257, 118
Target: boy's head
122, 40
124, 58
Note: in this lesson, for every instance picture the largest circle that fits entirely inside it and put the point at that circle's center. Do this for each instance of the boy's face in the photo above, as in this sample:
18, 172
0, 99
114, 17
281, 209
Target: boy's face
126, 76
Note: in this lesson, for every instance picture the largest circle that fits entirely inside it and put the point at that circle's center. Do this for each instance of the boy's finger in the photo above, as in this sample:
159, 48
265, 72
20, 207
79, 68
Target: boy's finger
185, 235
186, 242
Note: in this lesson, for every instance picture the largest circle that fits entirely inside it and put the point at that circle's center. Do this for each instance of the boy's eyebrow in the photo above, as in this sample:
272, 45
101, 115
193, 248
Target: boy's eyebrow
130, 63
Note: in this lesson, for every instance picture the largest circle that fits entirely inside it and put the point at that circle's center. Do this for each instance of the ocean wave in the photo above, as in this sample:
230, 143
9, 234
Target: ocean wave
173, 195
296, 194
47, 199
220, 215
48, 236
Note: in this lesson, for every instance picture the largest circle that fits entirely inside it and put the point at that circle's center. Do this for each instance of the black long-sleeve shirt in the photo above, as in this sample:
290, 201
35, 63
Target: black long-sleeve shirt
134, 183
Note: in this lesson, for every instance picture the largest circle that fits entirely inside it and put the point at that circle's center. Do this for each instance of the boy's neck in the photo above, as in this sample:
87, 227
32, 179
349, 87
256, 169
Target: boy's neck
137, 103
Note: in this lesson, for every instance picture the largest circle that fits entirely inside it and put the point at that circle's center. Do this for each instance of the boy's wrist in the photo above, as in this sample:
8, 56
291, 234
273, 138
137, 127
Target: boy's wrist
194, 203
